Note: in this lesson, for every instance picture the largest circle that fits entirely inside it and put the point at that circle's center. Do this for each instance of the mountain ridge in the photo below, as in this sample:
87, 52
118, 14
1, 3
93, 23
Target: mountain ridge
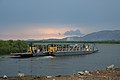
100, 35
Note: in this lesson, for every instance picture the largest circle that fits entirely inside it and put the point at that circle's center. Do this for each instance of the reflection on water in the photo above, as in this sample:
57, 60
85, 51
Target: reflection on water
49, 65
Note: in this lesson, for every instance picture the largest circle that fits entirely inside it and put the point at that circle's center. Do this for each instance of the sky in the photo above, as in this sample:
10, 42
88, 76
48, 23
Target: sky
44, 19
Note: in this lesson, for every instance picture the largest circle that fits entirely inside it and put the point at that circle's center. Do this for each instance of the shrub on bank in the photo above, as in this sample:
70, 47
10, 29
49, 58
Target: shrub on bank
12, 46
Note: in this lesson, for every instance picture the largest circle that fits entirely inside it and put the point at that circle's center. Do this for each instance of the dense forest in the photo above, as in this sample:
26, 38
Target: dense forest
12, 46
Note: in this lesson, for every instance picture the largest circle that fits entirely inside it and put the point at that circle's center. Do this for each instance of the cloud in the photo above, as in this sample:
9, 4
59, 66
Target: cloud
32, 31
73, 32
42, 31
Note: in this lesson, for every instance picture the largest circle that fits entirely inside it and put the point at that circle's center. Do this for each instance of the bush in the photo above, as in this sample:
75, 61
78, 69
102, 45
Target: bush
12, 46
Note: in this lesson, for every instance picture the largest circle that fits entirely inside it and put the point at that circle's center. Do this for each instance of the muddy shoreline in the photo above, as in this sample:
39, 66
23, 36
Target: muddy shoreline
109, 74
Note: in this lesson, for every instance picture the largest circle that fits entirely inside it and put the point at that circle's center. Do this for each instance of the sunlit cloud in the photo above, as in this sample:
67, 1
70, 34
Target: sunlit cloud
38, 31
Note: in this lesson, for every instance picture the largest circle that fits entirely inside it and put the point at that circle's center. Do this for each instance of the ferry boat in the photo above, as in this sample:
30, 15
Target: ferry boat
58, 49
76, 49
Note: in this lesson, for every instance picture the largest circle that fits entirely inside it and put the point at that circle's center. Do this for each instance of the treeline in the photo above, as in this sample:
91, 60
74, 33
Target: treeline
12, 46
60, 41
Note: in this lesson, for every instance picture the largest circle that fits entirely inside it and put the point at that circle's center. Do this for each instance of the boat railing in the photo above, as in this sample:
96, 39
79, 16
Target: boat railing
67, 48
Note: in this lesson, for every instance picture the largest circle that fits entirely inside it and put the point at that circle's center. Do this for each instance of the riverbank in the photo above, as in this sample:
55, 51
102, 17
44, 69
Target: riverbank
62, 41
110, 74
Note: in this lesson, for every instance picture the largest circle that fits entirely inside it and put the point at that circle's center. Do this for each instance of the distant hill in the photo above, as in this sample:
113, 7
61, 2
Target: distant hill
101, 35
95, 36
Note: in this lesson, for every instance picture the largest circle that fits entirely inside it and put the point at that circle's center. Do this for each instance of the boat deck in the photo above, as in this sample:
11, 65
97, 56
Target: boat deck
58, 49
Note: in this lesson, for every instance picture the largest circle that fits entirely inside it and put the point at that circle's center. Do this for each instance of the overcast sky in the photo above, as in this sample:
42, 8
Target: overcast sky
42, 19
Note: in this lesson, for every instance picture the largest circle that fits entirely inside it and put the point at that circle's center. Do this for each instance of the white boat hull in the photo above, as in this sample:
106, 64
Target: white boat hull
65, 53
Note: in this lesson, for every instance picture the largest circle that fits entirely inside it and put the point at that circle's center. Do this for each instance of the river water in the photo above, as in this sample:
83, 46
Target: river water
108, 54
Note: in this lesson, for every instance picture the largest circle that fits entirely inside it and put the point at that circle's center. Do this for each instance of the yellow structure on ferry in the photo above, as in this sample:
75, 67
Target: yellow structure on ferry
52, 49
